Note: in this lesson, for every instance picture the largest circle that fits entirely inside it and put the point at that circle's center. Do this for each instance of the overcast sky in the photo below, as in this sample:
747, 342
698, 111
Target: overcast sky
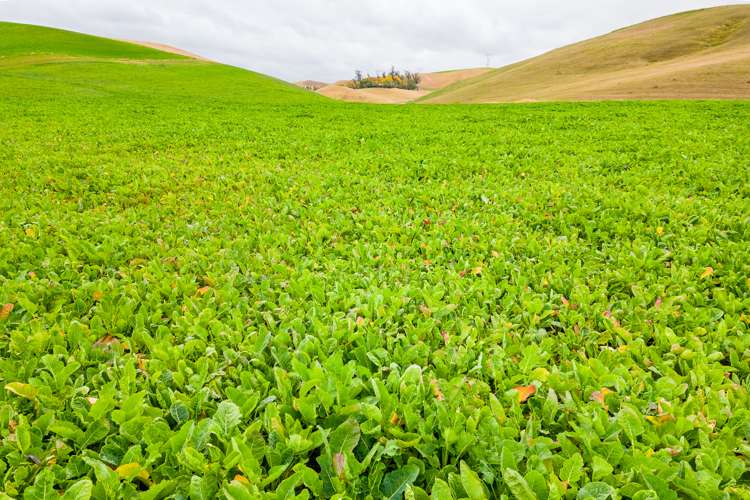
328, 39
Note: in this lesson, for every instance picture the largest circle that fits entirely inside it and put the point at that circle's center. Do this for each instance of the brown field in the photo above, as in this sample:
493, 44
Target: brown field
375, 96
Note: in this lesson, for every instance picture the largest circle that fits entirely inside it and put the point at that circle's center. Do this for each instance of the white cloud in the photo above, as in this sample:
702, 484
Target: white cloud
328, 39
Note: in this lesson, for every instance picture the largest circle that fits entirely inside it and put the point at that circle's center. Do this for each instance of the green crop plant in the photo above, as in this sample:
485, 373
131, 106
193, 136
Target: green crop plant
217, 285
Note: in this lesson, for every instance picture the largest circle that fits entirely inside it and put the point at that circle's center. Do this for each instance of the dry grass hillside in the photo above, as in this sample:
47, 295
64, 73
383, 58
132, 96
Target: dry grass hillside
167, 48
442, 79
703, 54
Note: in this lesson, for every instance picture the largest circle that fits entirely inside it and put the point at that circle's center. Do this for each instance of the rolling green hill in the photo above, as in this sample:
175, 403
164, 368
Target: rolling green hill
47, 61
703, 54
217, 285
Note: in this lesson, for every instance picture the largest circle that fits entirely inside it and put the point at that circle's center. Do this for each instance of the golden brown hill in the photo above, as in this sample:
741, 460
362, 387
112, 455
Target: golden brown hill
703, 54
442, 79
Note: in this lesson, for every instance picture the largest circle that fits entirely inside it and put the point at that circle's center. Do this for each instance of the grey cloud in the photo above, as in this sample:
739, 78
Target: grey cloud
328, 39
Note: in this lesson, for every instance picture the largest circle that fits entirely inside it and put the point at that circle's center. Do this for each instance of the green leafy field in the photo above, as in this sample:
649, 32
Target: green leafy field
219, 285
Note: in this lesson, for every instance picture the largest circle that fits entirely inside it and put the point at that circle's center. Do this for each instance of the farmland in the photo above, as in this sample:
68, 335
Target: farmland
216, 284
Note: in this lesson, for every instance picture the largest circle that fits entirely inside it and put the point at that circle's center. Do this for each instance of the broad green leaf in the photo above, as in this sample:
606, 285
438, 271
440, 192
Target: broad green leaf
105, 477
518, 485
538, 484
237, 491
472, 484
441, 491
20, 389
660, 486
179, 412
395, 482
600, 468
43, 488
572, 469
67, 430
595, 491
345, 437
202, 488
23, 435
80, 490
226, 418
285, 490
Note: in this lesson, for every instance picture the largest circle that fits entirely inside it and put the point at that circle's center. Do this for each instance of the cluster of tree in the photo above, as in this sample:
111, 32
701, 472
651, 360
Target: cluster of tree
391, 80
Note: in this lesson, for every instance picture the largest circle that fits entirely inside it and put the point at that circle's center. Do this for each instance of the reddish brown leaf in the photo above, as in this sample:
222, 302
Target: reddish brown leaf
6, 310
106, 341
436, 390
657, 304
203, 290
525, 392
394, 418
599, 397
445, 336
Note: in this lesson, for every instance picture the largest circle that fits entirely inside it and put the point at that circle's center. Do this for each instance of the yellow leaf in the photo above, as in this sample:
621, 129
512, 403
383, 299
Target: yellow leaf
97, 295
20, 389
541, 374
708, 272
660, 420
241, 479
525, 392
131, 471
203, 290
477, 271
660, 231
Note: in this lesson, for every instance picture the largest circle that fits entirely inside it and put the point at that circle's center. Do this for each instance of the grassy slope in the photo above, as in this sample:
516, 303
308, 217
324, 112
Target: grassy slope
697, 54
49, 60
179, 237
23, 39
